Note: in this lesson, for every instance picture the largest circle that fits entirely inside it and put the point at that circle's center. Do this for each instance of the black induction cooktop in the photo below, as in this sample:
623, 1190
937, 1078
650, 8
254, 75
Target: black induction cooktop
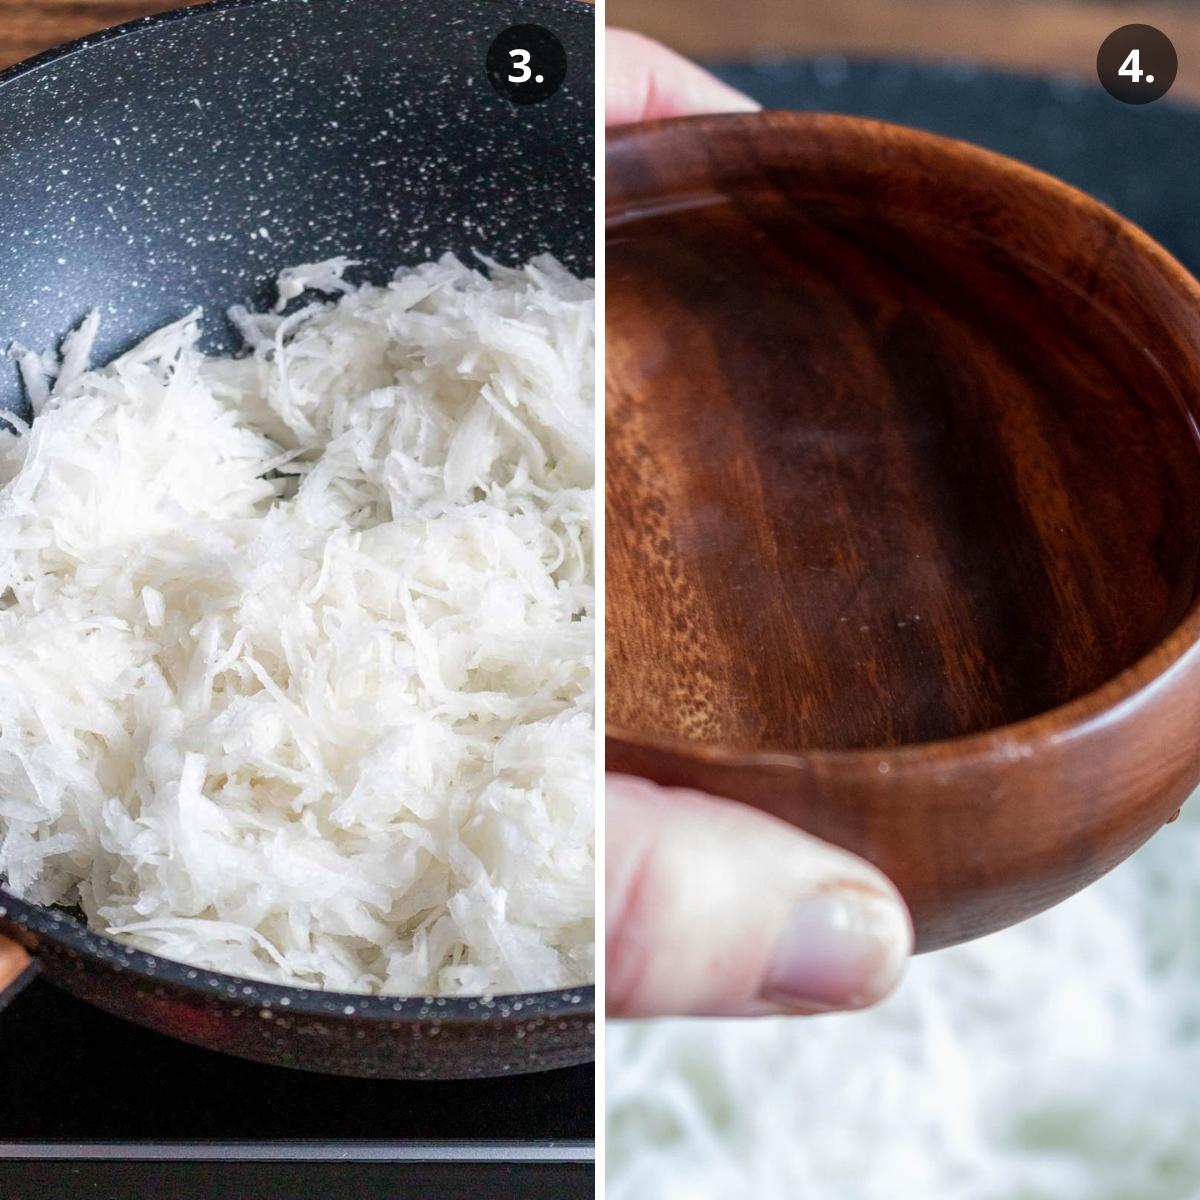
91, 1106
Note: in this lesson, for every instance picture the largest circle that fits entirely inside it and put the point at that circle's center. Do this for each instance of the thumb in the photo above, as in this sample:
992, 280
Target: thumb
643, 80
715, 909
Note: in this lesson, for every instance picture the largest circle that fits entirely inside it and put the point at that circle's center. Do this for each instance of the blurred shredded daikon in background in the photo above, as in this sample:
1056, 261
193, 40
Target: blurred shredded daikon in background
1057, 1060
297, 648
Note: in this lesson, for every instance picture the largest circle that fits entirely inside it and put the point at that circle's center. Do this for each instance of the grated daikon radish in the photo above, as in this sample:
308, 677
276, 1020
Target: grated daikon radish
297, 648
1056, 1060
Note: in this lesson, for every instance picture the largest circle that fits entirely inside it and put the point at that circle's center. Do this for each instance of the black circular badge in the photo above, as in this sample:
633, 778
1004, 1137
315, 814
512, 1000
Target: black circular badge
1137, 64
526, 64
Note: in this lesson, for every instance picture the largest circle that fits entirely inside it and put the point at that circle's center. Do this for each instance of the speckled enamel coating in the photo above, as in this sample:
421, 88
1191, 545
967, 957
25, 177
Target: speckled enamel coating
184, 160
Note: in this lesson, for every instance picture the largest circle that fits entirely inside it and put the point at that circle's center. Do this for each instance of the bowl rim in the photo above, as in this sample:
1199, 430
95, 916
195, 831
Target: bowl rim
69, 934
1076, 717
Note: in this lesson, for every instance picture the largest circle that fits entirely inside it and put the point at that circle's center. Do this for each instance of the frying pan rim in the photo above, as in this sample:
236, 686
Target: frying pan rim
173, 15
67, 933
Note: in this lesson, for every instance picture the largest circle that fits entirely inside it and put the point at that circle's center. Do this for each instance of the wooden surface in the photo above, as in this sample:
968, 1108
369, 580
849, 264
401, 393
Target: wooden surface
29, 26
874, 481
1037, 35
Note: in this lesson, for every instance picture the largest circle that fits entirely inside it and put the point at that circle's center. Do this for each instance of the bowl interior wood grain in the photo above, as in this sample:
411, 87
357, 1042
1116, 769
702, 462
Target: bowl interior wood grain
898, 447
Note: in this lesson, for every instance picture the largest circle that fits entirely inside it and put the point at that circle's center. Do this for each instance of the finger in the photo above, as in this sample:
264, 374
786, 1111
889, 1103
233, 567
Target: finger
644, 80
715, 909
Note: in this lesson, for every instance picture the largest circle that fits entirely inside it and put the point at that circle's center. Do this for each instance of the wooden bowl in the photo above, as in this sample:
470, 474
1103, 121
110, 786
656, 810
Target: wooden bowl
903, 503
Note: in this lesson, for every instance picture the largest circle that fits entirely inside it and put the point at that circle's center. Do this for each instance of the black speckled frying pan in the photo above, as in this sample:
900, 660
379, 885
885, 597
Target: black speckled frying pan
184, 160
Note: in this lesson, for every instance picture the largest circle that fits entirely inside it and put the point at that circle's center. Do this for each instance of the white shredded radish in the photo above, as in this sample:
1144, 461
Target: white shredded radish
1056, 1060
324, 276
297, 648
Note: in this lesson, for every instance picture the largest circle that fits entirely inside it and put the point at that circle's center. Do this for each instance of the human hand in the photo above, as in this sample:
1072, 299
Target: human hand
716, 909
645, 80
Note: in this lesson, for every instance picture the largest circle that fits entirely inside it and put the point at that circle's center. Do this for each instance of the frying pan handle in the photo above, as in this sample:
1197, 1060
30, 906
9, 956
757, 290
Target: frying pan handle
16, 970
